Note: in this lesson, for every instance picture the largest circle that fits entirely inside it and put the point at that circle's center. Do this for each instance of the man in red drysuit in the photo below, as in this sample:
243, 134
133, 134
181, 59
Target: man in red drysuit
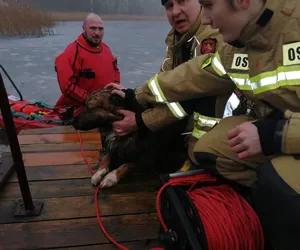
86, 65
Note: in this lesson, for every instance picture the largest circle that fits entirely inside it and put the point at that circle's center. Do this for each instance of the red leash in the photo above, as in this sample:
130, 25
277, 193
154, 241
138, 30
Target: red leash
113, 241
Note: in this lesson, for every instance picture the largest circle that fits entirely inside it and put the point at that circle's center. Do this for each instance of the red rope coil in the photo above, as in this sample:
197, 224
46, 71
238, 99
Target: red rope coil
229, 221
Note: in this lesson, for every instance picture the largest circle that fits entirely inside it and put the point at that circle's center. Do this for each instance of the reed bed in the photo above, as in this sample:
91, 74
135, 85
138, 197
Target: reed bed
79, 16
20, 20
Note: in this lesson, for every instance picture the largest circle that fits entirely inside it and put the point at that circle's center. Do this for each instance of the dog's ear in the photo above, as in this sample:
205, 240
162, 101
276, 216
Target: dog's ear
95, 118
98, 99
104, 117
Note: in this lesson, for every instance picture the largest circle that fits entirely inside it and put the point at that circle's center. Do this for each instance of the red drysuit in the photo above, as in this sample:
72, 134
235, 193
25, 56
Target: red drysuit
82, 69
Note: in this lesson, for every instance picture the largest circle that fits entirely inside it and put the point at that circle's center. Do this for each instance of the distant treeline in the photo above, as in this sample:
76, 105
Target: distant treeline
132, 7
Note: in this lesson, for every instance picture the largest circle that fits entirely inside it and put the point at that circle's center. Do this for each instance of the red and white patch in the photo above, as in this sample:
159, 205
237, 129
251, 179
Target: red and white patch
208, 46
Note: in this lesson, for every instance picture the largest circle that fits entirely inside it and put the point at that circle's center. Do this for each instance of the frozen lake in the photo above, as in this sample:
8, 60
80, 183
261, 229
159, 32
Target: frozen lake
138, 45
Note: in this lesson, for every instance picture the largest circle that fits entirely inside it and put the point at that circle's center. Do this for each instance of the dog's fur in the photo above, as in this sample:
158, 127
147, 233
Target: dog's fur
141, 148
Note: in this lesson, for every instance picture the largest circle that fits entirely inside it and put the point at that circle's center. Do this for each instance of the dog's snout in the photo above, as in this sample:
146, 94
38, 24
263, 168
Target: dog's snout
80, 122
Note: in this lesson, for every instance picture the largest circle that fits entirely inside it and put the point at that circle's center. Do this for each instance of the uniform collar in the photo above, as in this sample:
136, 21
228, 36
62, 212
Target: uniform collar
262, 32
84, 44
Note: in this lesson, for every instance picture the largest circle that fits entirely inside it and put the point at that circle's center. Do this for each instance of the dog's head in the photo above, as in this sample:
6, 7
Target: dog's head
101, 109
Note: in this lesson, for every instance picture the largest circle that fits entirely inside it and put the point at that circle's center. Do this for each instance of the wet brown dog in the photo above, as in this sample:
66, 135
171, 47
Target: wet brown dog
141, 148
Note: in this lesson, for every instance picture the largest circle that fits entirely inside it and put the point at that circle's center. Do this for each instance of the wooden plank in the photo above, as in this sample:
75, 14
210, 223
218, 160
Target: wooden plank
139, 245
51, 173
79, 187
59, 158
58, 147
59, 138
84, 207
53, 130
48, 173
6, 168
79, 232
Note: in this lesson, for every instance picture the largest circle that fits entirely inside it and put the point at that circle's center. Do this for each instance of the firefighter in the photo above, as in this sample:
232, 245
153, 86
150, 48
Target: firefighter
187, 39
261, 148
86, 65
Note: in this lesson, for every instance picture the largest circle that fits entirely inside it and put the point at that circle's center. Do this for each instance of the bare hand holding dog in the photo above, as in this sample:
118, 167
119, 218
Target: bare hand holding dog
127, 125
244, 140
116, 89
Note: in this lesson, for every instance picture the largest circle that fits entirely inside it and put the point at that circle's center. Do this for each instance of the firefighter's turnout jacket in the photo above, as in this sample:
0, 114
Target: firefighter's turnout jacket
199, 40
265, 67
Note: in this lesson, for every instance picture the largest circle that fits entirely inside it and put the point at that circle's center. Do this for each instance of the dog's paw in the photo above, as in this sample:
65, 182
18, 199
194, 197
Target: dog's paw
109, 180
98, 176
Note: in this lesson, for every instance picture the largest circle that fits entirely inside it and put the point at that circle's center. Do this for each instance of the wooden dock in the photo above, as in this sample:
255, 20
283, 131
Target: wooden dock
59, 177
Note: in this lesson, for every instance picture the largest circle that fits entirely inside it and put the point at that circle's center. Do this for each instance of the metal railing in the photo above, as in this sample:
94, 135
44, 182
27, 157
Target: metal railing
27, 207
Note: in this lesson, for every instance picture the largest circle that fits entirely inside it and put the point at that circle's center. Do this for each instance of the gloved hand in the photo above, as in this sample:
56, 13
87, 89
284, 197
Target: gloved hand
128, 95
131, 102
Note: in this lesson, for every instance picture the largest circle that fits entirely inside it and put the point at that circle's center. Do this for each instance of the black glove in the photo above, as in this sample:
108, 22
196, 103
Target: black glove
131, 102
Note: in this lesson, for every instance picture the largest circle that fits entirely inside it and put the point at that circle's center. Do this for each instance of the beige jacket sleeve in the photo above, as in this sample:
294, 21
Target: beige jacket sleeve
158, 117
290, 143
188, 81
182, 80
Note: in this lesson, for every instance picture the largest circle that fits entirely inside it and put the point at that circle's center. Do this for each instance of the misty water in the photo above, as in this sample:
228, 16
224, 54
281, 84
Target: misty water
138, 45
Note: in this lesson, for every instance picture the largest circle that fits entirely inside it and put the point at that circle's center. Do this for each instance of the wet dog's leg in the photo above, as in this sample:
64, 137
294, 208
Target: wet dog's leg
115, 176
102, 171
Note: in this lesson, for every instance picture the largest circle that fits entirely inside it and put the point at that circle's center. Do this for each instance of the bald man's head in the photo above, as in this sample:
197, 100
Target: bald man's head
92, 17
93, 28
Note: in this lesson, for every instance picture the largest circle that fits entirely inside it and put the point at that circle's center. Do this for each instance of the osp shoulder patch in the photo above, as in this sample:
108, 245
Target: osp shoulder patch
240, 61
208, 46
291, 53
